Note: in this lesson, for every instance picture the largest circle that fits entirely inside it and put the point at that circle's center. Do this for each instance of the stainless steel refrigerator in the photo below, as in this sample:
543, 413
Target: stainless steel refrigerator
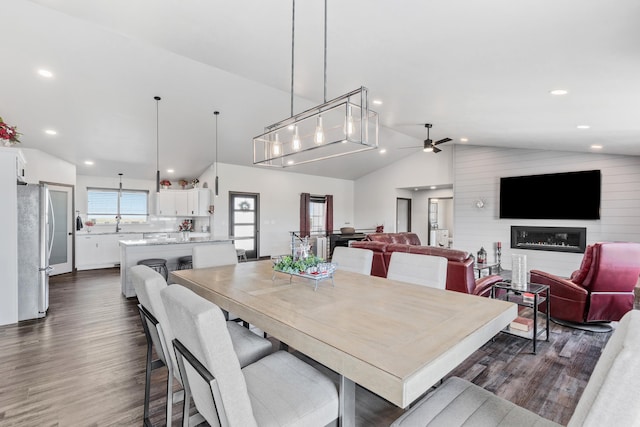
35, 241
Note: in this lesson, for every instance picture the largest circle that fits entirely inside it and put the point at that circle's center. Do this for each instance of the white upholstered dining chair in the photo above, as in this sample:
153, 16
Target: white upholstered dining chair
204, 256
418, 269
148, 284
356, 260
216, 255
277, 390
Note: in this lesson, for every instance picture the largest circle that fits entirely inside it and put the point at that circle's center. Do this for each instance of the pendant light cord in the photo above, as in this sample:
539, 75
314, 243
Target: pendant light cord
325, 51
293, 37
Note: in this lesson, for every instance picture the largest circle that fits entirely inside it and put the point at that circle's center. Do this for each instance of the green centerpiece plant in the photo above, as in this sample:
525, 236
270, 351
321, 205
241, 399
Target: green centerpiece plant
287, 264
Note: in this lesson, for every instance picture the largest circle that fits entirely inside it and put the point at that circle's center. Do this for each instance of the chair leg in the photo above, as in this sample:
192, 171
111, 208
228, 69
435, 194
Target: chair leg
147, 385
169, 398
186, 403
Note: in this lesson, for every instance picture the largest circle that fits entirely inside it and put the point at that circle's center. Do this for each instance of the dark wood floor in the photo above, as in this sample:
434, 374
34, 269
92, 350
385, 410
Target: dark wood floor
83, 365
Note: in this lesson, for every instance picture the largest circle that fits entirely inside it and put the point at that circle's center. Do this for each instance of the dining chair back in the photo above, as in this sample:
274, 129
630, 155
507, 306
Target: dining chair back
214, 255
426, 270
355, 260
279, 389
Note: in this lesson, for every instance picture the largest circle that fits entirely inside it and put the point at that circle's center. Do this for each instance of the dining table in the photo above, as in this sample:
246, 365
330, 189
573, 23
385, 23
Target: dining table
395, 339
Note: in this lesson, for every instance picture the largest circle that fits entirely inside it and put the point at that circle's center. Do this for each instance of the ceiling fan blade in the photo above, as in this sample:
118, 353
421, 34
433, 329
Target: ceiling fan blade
436, 150
413, 148
442, 141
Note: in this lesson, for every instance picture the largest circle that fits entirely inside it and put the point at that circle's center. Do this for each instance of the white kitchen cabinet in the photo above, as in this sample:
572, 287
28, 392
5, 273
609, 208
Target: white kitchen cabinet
100, 250
182, 203
198, 202
166, 203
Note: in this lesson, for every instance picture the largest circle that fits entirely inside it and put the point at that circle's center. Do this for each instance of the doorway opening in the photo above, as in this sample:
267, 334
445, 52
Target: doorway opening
62, 250
440, 221
403, 215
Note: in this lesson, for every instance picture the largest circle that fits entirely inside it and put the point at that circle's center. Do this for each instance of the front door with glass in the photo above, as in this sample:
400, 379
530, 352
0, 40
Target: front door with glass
244, 222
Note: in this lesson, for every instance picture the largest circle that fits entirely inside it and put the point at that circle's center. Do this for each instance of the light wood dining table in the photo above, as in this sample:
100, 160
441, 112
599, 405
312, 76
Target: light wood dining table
393, 338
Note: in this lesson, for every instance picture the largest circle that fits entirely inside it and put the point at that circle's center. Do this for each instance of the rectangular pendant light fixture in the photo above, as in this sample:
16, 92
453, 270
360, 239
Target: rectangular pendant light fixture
341, 126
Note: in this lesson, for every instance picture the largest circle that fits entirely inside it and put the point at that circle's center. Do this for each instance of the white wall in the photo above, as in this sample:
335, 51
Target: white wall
47, 168
376, 193
279, 201
477, 175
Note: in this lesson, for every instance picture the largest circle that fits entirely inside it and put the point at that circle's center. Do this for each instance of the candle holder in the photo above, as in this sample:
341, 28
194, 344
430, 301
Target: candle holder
499, 255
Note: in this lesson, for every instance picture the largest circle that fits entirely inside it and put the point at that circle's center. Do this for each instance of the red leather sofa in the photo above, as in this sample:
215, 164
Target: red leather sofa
601, 290
460, 273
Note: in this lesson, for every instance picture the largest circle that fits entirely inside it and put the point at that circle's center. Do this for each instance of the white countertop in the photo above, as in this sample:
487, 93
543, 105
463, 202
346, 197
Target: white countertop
172, 241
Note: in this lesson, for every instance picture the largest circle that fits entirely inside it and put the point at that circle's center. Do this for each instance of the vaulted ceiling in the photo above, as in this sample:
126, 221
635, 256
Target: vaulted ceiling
476, 70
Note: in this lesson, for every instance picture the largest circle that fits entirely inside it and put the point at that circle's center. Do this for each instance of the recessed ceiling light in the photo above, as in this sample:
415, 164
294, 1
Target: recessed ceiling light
290, 162
596, 147
415, 189
383, 150
559, 92
45, 73
50, 132
88, 162
170, 171
433, 187
583, 126
464, 139
377, 102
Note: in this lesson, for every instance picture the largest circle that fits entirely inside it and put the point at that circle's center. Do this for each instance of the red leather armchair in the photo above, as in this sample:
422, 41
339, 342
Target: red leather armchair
601, 290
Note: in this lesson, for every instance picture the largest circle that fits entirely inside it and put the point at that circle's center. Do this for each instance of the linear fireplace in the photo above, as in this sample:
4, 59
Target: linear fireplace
560, 239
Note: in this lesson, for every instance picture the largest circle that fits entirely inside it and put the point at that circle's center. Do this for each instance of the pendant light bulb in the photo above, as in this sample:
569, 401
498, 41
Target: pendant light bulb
276, 148
348, 123
318, 136
295, 143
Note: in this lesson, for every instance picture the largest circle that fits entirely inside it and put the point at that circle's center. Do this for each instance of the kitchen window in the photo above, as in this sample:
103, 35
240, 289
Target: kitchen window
105, 204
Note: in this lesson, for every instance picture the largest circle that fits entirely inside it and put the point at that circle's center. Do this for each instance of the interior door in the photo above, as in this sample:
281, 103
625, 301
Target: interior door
244, 220
62, 251
403, 215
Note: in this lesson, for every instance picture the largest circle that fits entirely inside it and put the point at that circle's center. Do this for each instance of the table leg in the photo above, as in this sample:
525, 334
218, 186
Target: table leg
347, 402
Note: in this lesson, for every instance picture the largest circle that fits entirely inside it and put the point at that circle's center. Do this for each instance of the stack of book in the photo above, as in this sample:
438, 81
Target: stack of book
521, 324
528, 297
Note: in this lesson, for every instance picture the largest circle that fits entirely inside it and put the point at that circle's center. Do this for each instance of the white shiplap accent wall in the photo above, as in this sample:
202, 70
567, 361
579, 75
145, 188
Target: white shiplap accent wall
477, 175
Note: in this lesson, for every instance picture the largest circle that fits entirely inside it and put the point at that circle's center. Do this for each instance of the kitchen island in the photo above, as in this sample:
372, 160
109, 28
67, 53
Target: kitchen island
132, 251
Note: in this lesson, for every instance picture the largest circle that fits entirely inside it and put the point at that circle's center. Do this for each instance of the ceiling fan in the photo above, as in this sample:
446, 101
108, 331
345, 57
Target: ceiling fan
429, 145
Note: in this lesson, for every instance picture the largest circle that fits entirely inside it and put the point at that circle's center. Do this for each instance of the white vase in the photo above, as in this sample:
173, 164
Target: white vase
6, 143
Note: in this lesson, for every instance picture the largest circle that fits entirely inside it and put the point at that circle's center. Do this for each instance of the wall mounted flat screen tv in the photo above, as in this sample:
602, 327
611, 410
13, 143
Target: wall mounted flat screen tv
569, 195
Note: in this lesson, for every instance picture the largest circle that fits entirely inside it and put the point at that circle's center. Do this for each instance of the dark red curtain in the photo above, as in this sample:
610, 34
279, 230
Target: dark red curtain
305, 218
328, 214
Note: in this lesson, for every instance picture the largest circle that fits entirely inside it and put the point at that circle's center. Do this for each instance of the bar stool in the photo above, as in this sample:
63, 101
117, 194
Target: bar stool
158, 264
185, 262
242, 254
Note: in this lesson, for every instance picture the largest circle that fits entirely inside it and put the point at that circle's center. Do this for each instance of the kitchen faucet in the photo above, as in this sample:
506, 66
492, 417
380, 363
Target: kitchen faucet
117, 223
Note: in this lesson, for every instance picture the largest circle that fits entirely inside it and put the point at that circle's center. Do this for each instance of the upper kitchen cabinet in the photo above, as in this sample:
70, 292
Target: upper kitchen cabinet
193, 202
198, 202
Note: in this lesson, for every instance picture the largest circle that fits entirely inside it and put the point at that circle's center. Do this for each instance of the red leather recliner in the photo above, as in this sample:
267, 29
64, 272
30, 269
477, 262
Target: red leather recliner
601, 290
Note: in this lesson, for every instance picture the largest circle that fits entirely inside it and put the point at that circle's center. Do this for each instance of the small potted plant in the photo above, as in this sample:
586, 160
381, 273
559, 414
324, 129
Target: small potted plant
9, 135
194, 182
89, 223
183, 183
165, 183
